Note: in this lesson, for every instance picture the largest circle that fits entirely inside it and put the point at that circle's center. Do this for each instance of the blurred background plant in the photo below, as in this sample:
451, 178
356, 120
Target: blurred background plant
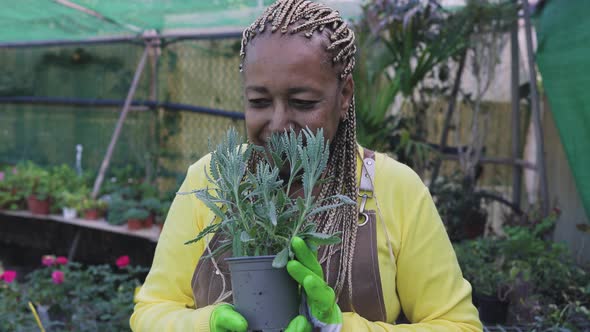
71, 297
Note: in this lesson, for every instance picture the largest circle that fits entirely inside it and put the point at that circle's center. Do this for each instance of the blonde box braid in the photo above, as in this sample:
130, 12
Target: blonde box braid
309, 17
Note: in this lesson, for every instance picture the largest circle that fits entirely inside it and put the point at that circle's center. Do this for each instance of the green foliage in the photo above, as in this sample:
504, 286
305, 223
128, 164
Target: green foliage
458, 204
257, 211
117, 207
136, 213
75, 200
151, 204
9, 199
538, 275
162, 212
91, 298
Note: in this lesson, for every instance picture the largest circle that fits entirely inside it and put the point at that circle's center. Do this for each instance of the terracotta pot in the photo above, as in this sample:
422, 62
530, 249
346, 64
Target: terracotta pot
134, 224
92, 214
38, 206
148, 222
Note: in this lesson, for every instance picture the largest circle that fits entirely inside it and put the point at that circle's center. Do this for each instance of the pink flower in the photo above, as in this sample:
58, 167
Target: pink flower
14, 170
8, 276
122, 261
61, 260
48, 260
1, 176
57, 276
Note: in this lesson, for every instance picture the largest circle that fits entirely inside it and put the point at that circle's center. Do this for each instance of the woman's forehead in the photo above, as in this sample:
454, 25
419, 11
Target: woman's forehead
288, 50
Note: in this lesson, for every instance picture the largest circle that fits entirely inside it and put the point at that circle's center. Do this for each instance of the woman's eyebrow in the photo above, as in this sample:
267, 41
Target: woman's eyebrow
302, 89
256, 88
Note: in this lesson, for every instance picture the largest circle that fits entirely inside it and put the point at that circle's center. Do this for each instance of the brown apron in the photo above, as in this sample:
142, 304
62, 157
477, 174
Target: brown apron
211, 285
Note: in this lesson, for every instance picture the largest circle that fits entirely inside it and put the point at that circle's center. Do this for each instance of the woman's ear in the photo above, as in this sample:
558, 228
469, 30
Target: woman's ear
346, 94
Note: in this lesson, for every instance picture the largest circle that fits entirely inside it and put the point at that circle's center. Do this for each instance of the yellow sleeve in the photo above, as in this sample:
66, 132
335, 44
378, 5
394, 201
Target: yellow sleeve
430, 284
165, 301
433, 294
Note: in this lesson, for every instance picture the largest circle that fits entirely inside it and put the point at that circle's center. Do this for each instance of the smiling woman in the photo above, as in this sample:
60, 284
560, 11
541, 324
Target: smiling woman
395, 258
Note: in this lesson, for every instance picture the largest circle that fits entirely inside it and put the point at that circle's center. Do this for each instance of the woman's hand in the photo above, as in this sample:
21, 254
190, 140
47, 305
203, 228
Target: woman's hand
321, 299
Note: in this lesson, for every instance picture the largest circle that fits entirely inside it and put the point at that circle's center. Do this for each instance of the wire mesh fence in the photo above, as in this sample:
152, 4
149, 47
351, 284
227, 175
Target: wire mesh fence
159, 141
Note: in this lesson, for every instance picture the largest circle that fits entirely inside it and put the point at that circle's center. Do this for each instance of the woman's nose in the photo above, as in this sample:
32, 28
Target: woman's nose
281, 119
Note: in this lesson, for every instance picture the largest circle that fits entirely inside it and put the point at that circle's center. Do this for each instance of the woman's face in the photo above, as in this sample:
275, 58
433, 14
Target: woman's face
290, 82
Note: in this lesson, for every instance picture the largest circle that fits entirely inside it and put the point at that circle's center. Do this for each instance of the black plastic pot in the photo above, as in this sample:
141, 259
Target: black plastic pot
267, 297
492, 310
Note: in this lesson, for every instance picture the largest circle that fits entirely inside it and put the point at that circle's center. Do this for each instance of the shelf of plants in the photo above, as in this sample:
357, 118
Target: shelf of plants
151, 234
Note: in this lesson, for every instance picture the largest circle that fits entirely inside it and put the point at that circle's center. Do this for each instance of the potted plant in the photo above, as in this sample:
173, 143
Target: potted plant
483, 266
152, 205
37, 185
9, 197
460, 207
92, 209
161, 214
135, 218
258, 214
71, 203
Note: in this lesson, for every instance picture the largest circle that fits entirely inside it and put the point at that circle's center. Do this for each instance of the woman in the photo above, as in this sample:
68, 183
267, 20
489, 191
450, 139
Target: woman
395, 258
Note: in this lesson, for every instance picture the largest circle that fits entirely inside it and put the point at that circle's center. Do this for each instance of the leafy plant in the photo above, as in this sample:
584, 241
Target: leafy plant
162, 212
459, 206
136, 214
92, 204
151, 204
89, 298
73, 200
117, 207
256, 211
9, 197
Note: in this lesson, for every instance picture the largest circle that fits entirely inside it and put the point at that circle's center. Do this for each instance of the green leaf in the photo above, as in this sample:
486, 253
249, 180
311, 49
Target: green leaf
207, 230
272, 212
281, 259
245, 237
321, 238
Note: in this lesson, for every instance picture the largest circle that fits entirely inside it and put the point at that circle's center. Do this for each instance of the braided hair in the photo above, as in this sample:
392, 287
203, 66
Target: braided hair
303, 16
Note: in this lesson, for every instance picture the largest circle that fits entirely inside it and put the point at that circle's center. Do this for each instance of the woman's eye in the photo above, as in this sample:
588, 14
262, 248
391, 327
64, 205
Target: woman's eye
259, 102
303, 104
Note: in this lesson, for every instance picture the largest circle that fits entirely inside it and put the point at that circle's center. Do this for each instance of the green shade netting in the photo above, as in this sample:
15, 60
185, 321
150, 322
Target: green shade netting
34, 20
563, 57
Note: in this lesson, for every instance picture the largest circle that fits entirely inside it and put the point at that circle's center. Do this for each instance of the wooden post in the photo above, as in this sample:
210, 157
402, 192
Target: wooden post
107, 158
515, 96
536, 109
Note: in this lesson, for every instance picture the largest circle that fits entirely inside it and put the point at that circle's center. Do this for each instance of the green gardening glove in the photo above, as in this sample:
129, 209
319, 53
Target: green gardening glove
321, 299
225, 318
299, 324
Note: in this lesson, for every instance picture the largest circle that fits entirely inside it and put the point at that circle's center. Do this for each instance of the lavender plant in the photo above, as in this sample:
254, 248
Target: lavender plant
255, 211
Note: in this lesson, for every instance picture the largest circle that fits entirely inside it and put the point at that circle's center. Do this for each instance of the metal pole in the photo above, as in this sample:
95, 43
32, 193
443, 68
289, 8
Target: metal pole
536, 109
514, 80
119, 127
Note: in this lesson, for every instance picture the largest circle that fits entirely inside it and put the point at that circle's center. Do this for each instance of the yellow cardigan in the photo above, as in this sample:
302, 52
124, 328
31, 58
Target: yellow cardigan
425, 279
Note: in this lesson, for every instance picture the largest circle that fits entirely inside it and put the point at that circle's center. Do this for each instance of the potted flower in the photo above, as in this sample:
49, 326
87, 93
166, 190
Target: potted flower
136, 217
259, 215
